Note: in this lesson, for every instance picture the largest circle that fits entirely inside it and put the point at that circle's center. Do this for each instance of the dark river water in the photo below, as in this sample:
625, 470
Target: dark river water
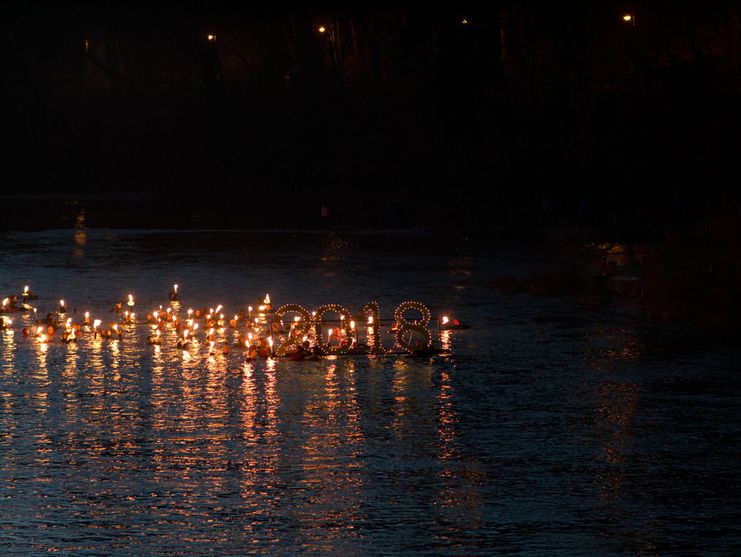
550, 429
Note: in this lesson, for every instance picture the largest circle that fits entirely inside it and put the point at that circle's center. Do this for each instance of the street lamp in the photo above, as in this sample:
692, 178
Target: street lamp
322, 29
629, 18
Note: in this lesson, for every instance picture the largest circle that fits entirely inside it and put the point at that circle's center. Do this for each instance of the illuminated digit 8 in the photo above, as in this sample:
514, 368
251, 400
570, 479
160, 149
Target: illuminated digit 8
404, 327
325, 346
373, 328
299, 329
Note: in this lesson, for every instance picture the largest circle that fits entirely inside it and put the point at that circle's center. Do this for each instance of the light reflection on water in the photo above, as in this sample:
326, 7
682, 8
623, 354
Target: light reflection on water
549, 429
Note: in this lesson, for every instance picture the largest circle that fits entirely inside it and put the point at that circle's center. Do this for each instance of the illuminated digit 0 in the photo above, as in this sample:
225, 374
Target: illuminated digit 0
345, 317
407, 329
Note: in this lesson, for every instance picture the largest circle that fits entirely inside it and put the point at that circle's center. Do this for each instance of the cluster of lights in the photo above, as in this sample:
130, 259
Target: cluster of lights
304, 325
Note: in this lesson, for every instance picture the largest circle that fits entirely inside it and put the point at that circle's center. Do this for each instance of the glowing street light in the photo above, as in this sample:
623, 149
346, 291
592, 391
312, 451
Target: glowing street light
211, 38
629, 19
322, 29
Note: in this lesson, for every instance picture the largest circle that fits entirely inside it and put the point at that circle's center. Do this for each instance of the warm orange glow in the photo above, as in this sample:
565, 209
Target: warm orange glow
445, 319
464, 21
628, 17
211, 37
322, 29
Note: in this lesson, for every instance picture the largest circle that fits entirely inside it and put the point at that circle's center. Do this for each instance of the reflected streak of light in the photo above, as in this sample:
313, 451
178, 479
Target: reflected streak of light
459, 492
115, 355
272, 399
398, 388
618, 404
445, 340
354, 431
9, 346
69, 373
331, 469
248, 408
447, 418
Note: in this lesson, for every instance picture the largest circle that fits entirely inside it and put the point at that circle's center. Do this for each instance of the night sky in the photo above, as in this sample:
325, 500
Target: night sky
390, 117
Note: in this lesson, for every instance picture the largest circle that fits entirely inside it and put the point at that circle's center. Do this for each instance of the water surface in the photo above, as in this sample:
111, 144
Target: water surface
550, 430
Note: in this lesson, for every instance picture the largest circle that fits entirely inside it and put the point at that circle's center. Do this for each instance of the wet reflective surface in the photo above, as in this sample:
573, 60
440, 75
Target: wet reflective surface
550, 429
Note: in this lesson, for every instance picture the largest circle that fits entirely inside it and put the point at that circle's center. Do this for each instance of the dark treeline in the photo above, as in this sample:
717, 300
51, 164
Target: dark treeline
530, 112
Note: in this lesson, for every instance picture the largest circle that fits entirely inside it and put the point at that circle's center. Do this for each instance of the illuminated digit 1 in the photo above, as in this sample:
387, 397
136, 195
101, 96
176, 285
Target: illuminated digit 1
373, 327
298, 328
406, 328
344, 316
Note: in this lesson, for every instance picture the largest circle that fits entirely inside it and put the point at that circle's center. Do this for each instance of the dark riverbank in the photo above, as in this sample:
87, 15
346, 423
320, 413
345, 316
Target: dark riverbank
688, 273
